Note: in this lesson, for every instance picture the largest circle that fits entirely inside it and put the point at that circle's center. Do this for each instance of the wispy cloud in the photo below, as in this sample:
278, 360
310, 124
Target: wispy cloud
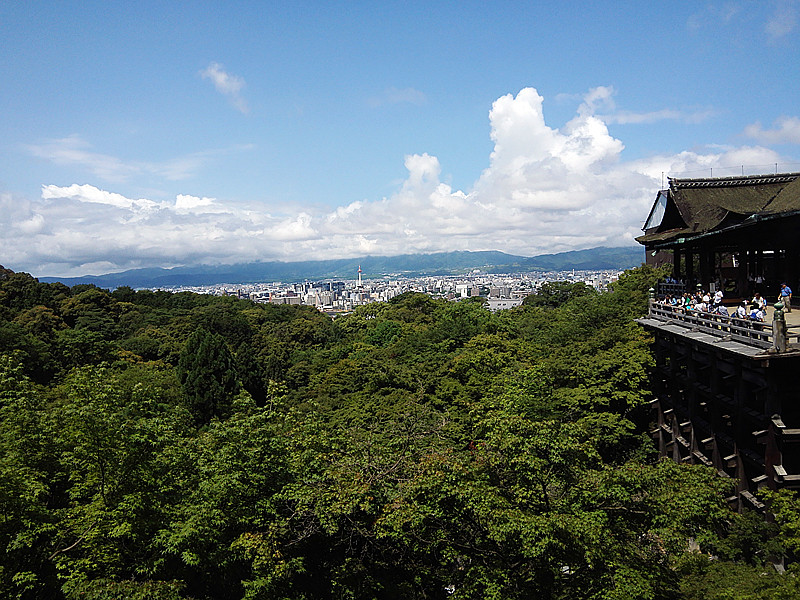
227, 84
666, 114
393, 95
785, 130
713, 13
75, 151
187, 165
783, 21
599, 101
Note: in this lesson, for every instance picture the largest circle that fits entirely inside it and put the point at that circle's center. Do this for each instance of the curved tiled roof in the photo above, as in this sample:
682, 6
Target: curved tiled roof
787, 199
706, 205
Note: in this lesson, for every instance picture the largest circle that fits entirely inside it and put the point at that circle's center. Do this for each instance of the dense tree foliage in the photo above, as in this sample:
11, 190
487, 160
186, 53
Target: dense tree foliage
175, 446
207, 375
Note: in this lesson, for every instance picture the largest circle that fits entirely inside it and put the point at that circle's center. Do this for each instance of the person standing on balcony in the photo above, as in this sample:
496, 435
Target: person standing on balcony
786, 297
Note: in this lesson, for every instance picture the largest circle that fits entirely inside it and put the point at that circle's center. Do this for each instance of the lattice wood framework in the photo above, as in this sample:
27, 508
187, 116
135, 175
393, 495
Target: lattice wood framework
728, 405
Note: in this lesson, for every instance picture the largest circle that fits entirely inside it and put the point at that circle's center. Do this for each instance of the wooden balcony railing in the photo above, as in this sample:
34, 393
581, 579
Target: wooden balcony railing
745, 331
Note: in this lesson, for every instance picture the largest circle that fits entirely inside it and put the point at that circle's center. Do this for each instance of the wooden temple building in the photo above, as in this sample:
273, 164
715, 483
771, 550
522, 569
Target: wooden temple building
738, 233
727, 390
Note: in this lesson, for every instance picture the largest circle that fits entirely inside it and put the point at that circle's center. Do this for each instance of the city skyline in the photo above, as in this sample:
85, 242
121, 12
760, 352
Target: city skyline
139, 136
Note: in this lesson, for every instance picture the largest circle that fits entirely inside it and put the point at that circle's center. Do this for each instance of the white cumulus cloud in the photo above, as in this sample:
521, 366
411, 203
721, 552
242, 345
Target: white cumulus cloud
544, 189
185, 203
93, 195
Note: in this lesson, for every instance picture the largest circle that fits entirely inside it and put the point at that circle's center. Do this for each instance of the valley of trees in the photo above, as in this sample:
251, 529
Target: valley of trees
181, 446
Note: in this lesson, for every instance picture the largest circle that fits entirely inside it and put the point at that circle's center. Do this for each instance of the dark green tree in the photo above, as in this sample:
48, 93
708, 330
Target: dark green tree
556, 293
207, 373
124, 293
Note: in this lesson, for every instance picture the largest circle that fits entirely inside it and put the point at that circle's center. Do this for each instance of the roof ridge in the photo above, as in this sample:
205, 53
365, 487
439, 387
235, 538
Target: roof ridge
741, 180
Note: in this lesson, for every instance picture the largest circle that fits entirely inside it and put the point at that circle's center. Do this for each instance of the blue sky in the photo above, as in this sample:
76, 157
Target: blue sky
144, 134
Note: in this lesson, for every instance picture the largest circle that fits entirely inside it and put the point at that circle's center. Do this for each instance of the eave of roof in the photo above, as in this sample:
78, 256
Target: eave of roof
663, 236
676, 240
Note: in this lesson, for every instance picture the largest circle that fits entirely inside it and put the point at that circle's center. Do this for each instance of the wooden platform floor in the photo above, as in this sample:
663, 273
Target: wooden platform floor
792, 318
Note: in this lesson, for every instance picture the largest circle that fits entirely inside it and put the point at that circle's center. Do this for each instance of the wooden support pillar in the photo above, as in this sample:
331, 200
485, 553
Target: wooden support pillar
706, 268
662, 437
742, 287
715, 377
676, 264
772, 457
750, 275
690, 270
675, 385
694, 445
792, 269
739, 399
716, 455
773, 404
782, 268
741, 478
758, 273
676, 433
690, 392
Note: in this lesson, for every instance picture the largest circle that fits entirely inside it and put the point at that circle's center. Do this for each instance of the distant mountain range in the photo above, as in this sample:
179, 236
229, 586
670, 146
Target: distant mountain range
408, 265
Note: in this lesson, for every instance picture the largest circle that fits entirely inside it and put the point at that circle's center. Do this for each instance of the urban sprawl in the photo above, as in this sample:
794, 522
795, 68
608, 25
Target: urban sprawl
334, 297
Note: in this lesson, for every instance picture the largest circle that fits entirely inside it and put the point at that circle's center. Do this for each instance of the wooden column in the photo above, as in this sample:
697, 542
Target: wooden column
742, 283
792, 270
676, 263
758, 268
706, 266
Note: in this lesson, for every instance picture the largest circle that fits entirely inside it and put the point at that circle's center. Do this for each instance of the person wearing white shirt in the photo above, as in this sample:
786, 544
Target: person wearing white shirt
741, 312
760, 303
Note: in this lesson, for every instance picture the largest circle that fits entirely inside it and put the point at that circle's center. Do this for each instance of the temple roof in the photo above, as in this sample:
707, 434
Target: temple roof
699, 206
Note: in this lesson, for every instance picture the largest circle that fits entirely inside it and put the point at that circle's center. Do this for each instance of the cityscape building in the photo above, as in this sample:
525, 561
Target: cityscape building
334, 297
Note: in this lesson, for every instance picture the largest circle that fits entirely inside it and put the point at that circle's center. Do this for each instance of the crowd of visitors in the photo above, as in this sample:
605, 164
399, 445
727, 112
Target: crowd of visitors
706, 302
711, 303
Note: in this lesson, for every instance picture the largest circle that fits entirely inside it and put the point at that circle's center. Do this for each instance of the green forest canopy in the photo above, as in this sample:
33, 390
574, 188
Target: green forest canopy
176, 446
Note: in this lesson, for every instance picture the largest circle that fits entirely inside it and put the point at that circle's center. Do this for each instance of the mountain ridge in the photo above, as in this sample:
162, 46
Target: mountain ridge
409, 265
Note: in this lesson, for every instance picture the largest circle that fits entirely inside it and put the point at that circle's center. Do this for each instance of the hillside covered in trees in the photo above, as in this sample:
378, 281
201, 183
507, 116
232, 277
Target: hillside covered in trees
181, 446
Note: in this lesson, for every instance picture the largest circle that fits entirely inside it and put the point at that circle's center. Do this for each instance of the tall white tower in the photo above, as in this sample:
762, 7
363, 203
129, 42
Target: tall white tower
359, 275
